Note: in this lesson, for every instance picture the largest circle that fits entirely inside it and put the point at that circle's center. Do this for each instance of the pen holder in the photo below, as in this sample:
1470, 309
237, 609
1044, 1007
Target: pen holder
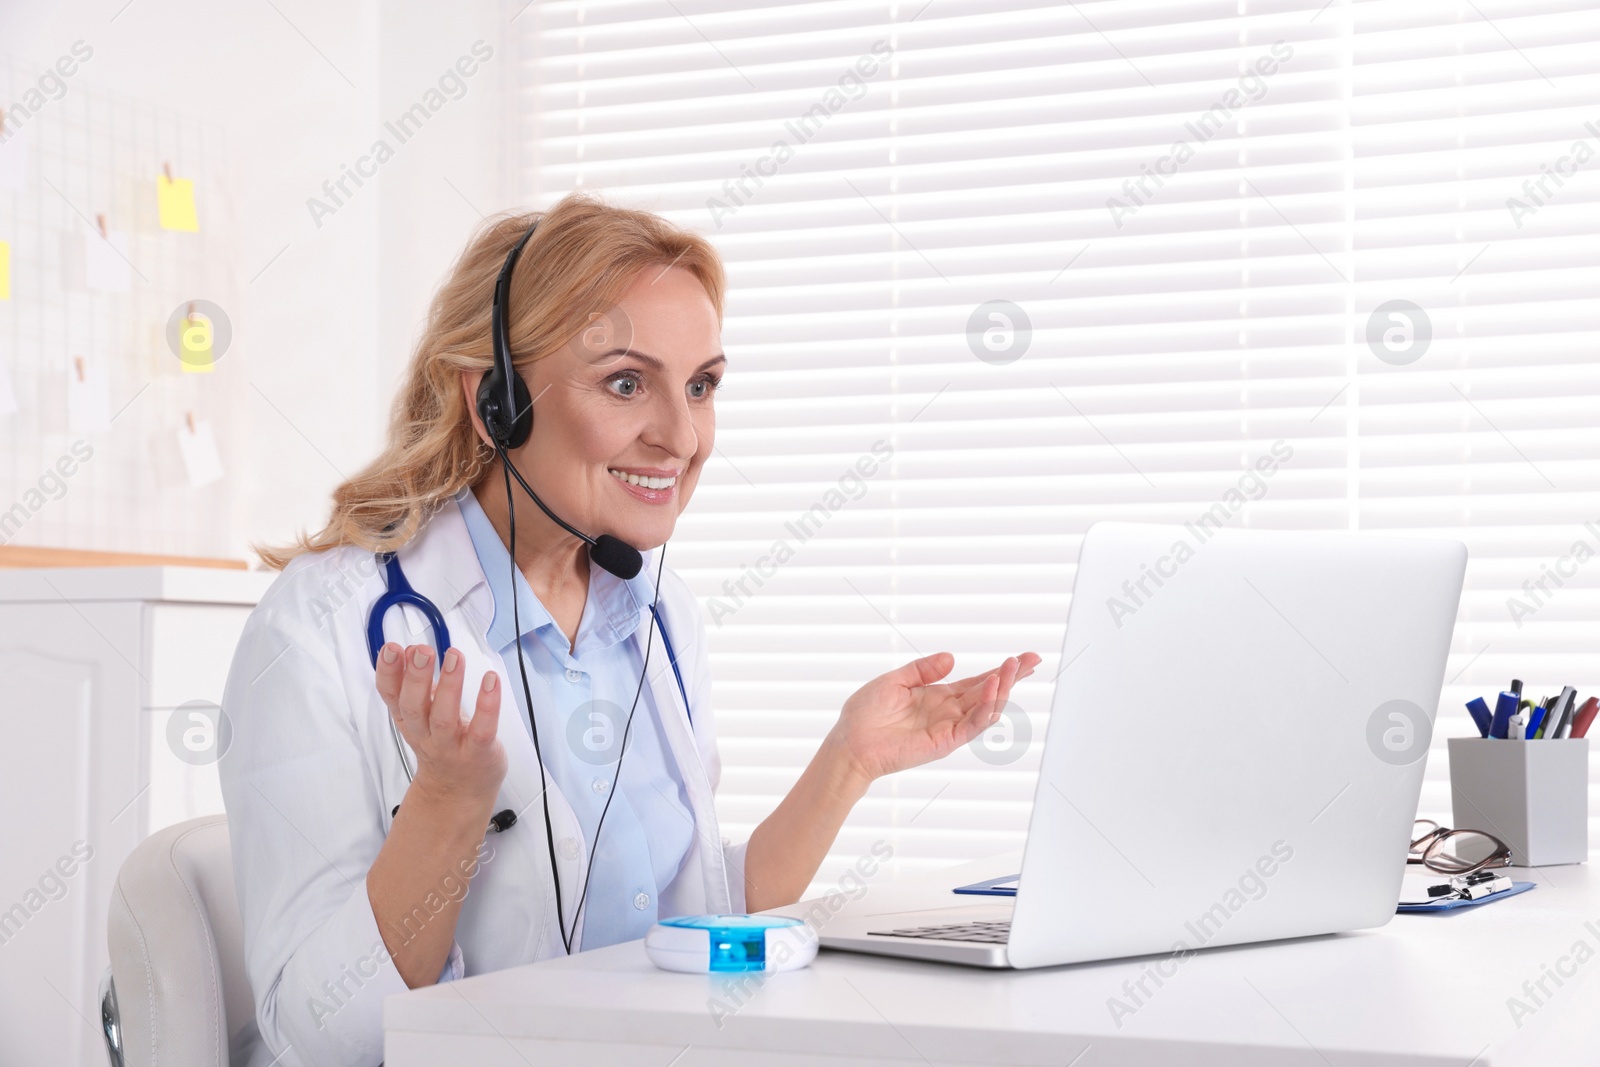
1533, 795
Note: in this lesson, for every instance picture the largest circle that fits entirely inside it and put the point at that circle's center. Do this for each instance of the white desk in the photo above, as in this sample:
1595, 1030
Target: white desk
1426, 989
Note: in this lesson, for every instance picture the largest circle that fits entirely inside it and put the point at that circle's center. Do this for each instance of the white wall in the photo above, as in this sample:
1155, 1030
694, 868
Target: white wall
460, 164
303, 87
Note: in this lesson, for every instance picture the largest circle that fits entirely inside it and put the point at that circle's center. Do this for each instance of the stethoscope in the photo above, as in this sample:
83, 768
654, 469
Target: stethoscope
401, 594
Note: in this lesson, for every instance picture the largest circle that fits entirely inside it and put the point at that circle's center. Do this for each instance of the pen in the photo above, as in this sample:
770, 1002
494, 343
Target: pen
1481, 715
1560, 717
1536, 720
1585, 716
1517, 728
1552, 709
1504, 708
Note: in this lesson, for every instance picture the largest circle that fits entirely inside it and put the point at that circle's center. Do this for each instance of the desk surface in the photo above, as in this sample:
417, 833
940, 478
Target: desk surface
1426, 989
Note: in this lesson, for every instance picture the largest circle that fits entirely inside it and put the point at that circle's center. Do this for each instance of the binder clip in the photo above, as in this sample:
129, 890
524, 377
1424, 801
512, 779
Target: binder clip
1474, 886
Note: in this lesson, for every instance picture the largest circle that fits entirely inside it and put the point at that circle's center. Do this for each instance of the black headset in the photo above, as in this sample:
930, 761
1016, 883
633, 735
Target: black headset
506, 409
503, 401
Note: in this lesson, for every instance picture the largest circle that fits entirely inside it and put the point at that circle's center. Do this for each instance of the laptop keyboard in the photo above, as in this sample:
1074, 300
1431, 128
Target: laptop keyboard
993, 933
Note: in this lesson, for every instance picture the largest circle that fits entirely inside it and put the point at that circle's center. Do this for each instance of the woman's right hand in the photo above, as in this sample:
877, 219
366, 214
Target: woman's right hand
457, 762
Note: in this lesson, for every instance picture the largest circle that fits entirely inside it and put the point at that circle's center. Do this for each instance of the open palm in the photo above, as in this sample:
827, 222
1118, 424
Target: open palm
904, 719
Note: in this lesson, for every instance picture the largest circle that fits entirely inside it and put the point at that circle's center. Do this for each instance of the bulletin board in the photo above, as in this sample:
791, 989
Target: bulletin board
121, 394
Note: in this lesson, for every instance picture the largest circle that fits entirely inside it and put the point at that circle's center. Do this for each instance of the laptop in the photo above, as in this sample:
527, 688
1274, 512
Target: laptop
1234, 753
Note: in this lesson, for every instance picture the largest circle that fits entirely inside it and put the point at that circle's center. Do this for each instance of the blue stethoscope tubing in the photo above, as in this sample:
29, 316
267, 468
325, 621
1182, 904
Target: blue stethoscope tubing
400, 594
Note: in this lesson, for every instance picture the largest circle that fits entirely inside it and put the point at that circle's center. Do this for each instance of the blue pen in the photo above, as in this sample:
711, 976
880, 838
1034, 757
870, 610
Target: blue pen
1504, 708
1535, 718
1480, 715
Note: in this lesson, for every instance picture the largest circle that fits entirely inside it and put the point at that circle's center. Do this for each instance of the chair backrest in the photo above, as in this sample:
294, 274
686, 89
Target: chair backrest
177, 951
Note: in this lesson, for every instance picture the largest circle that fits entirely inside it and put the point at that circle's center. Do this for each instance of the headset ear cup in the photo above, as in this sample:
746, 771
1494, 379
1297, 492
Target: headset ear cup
506, 429
489, 391
521, 421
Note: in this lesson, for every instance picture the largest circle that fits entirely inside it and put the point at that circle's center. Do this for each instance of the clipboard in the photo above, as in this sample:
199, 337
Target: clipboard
1004, 886
1452, 903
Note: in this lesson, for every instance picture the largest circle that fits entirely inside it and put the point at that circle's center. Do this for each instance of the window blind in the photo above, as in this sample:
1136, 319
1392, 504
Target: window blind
1001, 269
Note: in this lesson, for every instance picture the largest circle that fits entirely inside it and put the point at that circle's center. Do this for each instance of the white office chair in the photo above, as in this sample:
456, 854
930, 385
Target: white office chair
176, 993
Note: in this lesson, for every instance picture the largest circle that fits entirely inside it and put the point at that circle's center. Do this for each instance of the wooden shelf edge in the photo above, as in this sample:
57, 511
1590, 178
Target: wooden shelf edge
34, 556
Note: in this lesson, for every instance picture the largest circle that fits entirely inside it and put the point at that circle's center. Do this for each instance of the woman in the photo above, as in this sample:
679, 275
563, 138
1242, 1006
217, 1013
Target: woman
354, 852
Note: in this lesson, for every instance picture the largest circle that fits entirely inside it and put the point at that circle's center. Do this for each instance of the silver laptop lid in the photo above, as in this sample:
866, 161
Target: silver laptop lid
1237, 741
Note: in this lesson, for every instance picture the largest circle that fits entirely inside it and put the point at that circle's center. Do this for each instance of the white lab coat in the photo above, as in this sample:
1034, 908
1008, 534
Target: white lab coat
311, 775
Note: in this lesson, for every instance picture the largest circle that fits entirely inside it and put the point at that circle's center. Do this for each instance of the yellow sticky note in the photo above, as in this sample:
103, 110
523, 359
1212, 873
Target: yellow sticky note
175, 198
195, 341
5, 270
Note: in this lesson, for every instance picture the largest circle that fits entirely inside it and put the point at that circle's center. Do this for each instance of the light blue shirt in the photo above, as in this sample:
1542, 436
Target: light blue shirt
581, 696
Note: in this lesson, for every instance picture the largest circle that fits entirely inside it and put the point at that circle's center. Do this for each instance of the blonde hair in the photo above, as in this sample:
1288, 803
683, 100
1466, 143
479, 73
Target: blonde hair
583, 257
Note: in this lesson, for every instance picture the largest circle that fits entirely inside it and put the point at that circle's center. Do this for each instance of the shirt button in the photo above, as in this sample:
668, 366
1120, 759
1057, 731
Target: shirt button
569, 848
574, 676
641, 901
600, 785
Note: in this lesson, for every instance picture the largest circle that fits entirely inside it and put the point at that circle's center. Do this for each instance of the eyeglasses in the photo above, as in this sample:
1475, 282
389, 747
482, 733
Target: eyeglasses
1447, 851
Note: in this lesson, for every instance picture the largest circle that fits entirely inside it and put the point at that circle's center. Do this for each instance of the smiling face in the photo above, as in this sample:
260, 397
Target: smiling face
623, 415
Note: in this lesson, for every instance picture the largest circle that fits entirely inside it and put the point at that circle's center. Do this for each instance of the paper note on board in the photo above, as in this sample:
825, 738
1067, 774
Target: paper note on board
88, 397
5, 270
175, 203
201, 459
105, 262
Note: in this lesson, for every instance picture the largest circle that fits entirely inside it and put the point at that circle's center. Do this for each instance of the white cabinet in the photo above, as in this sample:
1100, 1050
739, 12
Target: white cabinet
95, 663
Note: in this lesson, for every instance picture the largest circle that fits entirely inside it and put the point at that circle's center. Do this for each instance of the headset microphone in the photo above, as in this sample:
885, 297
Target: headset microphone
611, 553
618, 557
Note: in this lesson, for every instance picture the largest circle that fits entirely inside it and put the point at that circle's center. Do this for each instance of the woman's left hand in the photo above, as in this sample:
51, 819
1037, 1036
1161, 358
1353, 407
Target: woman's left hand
903, 719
